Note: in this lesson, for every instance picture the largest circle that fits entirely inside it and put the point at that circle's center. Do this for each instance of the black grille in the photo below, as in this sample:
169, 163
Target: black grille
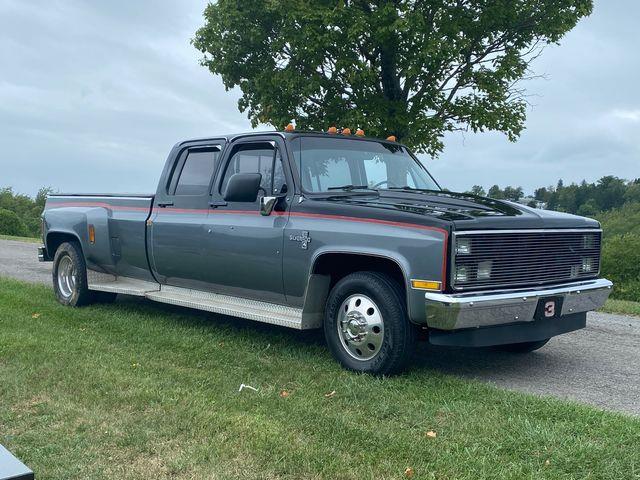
506, 259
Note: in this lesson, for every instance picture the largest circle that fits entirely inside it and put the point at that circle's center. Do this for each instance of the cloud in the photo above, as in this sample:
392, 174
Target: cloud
94, 94
630, 115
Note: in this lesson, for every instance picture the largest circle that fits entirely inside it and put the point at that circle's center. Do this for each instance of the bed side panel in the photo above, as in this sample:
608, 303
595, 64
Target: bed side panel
120, 226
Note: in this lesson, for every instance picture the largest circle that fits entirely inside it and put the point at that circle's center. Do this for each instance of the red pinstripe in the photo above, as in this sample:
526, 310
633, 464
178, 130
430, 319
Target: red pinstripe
321, 216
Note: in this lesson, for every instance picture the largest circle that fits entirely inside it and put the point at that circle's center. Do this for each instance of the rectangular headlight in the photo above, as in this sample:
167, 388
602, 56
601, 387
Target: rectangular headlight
484, 270
588, 241
463, 246
587, 264
461, 274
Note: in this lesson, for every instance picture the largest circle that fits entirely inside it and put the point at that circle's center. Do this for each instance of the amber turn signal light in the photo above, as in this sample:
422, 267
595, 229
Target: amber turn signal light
426, 285
360, 132
92, 234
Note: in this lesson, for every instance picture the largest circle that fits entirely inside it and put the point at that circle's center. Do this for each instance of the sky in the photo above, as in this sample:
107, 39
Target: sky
93, 94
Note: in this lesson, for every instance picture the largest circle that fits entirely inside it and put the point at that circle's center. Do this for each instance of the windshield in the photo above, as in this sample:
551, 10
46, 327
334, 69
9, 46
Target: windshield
347, 164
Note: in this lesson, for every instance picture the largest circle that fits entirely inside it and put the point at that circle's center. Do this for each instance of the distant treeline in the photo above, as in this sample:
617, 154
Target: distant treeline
582, 199
20, 214
614, 202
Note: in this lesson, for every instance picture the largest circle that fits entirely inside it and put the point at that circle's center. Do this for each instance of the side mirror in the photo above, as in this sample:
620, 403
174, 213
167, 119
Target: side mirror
268, 203
243, 187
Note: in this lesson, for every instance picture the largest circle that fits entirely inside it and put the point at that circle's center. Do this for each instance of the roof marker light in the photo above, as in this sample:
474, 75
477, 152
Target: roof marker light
332, 130
360, 132
391, 138
289, 128
346, 131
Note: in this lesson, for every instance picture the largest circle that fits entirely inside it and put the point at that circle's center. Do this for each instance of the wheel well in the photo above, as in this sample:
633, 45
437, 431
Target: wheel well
339, 265
55, 239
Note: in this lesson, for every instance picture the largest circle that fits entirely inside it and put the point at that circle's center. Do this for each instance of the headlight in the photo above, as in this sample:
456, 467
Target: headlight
463, 246
461, 274
484, 270
588, 241
587, 264
575, 270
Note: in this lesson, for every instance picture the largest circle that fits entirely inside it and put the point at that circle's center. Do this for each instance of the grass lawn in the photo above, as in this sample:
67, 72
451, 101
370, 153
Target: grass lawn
139, 390
20, 239
621, 306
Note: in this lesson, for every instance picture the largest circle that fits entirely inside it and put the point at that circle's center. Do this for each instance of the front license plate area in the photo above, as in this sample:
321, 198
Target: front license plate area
549, 307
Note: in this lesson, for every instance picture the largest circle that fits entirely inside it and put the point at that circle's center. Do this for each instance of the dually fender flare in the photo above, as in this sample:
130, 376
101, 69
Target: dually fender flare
61, 231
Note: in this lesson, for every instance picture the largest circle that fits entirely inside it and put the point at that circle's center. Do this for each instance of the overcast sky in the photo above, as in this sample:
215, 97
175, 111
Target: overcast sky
93, 94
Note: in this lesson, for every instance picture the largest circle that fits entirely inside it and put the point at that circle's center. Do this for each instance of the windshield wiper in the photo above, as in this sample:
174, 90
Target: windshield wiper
407, 187
349, 188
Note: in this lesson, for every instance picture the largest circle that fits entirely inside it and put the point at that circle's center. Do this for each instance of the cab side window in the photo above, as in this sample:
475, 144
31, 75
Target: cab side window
261, 158
195, 173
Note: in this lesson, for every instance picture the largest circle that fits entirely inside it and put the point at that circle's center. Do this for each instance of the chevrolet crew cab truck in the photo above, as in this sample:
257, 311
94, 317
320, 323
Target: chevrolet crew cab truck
346, 233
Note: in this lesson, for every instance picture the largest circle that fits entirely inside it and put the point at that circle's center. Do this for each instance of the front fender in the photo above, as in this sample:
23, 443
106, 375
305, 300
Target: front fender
420, 253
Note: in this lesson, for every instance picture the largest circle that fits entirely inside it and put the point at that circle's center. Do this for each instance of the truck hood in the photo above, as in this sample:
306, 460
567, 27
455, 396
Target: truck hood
466, 211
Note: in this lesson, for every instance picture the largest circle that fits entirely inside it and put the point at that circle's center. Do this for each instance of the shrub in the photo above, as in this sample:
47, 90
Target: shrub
10, 223
27, 210
621, 265
621, 221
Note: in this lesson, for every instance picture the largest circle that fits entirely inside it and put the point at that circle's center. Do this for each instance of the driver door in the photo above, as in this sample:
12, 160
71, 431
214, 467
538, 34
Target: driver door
245, 247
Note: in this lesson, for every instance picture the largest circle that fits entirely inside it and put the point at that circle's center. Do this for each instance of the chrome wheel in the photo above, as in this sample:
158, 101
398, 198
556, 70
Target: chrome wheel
360, 327
66, 276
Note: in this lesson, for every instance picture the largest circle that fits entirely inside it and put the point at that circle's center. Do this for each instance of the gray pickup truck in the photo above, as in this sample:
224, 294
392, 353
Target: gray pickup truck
345, 233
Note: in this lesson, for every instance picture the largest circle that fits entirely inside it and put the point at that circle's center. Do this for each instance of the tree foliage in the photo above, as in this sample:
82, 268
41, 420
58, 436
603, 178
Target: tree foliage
20, 214
509, 193
589, 198
412, 68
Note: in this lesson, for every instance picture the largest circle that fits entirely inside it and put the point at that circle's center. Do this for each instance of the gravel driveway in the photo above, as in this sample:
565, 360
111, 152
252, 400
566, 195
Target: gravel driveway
599, 365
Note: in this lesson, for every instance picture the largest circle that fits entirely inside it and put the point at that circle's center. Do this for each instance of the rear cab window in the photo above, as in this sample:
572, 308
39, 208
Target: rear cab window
194, 171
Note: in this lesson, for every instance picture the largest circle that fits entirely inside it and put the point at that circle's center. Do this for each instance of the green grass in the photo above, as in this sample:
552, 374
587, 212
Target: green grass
20, 239
140, 390
621, 306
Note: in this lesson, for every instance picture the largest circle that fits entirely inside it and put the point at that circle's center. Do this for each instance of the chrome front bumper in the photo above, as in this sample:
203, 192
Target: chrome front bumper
485, 309
42, 254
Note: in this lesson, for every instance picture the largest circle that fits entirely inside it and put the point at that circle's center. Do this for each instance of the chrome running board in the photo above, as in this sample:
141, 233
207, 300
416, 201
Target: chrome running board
211, 302
105, 282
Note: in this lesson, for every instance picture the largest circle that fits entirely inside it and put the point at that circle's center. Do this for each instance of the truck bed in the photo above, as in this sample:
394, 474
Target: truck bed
119, 221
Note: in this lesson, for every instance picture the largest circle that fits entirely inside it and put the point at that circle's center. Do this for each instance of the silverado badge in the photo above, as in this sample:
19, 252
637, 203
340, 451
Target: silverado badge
303, 238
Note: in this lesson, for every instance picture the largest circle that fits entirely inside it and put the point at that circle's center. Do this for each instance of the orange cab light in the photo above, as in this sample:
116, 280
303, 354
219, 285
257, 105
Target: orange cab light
346, 131
332, 130
289, 128
360, 132
391, 138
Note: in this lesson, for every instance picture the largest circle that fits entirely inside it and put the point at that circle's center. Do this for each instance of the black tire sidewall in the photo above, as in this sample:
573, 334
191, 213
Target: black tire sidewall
81, 295
399, 335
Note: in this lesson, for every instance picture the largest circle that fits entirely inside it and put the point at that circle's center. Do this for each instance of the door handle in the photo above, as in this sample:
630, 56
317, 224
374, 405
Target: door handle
217, 203
165, 204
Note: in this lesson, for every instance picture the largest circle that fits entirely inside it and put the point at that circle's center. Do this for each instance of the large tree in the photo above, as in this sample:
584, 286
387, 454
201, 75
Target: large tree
412, 68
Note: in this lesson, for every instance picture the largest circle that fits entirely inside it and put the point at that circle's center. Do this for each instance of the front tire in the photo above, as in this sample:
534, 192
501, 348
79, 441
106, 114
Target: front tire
70, 276
366, 325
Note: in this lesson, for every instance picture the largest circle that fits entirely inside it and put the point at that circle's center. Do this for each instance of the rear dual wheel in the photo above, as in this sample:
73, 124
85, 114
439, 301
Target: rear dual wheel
70, 278
366, 324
